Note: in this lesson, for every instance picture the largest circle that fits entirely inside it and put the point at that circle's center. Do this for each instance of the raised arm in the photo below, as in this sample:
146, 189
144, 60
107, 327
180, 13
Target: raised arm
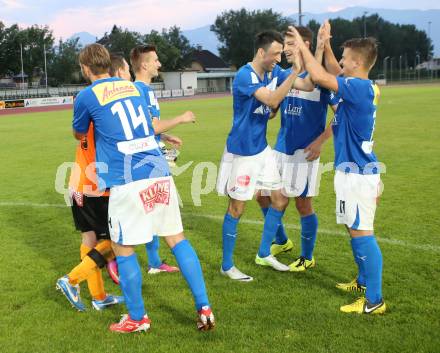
302, 84
319, 52
307, 84
315, 69
320, 43
331, 63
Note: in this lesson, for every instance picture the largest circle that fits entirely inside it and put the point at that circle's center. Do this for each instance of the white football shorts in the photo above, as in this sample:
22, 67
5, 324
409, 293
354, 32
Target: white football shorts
241, 176
356, 199
144, 208
299, 177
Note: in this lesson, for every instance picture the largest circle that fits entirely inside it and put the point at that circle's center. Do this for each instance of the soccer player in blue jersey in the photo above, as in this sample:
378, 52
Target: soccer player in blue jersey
121, 69
145, 64
297, 150
357, 177
247, 163
143, 198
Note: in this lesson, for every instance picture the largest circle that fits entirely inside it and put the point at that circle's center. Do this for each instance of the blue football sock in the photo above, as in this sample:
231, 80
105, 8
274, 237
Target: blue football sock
271, 223
229, 238
360, 264
309, 228
130, 278
189, 265
281, 236
369, 253
152, 248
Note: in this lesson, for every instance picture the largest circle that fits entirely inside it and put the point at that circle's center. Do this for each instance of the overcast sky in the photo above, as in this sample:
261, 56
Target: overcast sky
68, 17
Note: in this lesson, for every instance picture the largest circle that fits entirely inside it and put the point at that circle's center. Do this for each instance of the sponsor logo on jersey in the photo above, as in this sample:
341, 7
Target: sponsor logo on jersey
137, 145
158, 193
293, 110
107, 92
314, 96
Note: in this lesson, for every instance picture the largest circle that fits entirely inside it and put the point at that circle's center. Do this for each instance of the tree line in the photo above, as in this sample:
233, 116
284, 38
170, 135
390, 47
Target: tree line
174, 50
235, 30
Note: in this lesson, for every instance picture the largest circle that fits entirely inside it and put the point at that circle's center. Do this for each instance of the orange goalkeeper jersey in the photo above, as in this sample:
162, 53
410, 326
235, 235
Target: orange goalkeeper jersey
83, 178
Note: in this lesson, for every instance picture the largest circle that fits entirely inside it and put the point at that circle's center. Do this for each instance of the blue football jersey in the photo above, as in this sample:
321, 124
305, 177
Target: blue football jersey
303, 116
126, 149
353, 126
152, 102
250, 116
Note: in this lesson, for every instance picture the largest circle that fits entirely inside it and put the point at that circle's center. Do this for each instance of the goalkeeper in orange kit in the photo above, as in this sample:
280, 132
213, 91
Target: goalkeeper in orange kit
90, 214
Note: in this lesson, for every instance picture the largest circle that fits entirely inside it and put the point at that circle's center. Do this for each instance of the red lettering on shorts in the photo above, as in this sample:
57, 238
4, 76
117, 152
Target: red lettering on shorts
158, 193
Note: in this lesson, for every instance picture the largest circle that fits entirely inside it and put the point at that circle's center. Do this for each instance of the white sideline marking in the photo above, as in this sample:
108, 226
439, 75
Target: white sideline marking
424, 247
31, 204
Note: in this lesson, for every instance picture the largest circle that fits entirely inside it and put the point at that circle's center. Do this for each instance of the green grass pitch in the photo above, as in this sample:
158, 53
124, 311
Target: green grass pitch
278, 312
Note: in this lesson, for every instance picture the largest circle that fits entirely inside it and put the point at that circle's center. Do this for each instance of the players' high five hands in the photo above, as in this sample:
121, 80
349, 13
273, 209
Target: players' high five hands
187, 117
328, 29
323, 35
320, 42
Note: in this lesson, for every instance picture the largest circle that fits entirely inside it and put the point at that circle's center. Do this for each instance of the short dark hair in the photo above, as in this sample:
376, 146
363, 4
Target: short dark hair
365, 47
96, 57
117, 60
136, 55
265, 39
